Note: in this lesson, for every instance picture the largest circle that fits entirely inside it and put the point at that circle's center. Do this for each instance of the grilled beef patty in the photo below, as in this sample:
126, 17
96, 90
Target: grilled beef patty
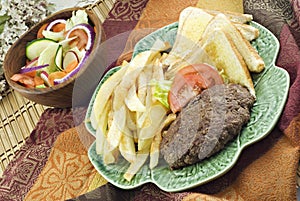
206, 124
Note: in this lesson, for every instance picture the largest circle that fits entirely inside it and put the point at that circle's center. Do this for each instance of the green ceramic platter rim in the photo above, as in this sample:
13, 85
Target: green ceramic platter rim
271, 88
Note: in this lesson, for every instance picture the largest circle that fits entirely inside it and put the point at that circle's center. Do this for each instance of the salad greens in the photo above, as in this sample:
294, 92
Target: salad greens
161, 91
78, 17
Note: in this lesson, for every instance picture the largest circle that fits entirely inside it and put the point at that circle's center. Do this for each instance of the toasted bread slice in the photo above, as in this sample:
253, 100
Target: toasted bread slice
249, 32
195, 55
195, 24
254, 62
192, 24
233, 16
226, 58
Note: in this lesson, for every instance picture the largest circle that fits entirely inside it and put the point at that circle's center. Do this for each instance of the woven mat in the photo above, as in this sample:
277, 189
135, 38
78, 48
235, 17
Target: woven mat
18, 118
19, 115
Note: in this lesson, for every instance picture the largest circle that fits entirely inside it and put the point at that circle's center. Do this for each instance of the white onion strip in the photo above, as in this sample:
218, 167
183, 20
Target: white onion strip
49, 27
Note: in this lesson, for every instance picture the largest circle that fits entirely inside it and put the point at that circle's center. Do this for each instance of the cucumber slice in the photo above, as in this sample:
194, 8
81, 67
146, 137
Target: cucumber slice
59, 57
37, 46
47, 56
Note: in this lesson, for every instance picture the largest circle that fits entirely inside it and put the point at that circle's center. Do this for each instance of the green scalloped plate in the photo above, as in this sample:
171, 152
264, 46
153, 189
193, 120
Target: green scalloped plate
271, 88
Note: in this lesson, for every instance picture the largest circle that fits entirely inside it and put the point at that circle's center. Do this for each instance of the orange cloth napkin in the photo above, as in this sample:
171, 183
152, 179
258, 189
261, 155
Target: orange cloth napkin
265, 170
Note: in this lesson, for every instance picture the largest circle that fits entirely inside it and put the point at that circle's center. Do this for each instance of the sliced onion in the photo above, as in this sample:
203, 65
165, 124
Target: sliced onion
27, 69
89, 46
89, 30
70, 56
73, 72
44, 75
33, 62
51, 24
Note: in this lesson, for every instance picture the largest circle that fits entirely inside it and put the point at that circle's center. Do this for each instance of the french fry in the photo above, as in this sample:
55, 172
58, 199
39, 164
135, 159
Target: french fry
170, 118
130, 120
117, 128
100, 141
101, 130
158, 72
123, 110
142, 117
142, 82
160, 46
134, 167
104, 93
157, 115
109, 156
154, 149
113, 137
131, 124
143, 93
133, 102
136, 66
127, 147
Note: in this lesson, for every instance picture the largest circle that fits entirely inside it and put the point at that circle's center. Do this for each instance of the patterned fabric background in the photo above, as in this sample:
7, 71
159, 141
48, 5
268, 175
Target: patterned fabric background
22, 172
264, 171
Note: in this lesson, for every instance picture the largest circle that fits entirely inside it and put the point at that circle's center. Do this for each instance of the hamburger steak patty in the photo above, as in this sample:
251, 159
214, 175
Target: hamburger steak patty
206, 124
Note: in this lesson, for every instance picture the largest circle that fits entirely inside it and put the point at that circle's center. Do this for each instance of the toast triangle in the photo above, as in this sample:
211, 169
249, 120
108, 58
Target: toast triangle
254, 62
226, 58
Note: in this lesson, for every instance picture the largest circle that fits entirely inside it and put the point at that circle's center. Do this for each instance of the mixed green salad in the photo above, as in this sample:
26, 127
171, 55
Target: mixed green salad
59, 51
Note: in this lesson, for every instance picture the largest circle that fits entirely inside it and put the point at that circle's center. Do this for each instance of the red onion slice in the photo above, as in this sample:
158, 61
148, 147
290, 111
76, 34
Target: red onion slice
49, 27
73, 72
70, 56
91, 38
27, 69
89, 30
44, 75
33, 62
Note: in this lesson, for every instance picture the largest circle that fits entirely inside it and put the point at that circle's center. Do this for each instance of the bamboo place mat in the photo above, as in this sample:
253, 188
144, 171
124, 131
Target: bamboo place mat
18, 118
19, 115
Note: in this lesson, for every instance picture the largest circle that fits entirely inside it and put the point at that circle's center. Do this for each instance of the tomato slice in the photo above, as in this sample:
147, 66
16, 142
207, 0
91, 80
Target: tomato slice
58, 27
191, 81
71, 66
24, 80
81, 38
38, 80
31, 73
56, 75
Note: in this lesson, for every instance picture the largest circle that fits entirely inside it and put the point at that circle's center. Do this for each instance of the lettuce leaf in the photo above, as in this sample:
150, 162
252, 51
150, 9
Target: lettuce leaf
161, 91
78, 17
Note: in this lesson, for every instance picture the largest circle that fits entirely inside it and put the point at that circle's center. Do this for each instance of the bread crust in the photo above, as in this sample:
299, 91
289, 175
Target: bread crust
249, 32
254, 62
226, 57
233, 16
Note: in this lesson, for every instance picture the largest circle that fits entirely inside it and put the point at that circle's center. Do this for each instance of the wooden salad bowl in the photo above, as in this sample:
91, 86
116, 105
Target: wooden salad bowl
60, 95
